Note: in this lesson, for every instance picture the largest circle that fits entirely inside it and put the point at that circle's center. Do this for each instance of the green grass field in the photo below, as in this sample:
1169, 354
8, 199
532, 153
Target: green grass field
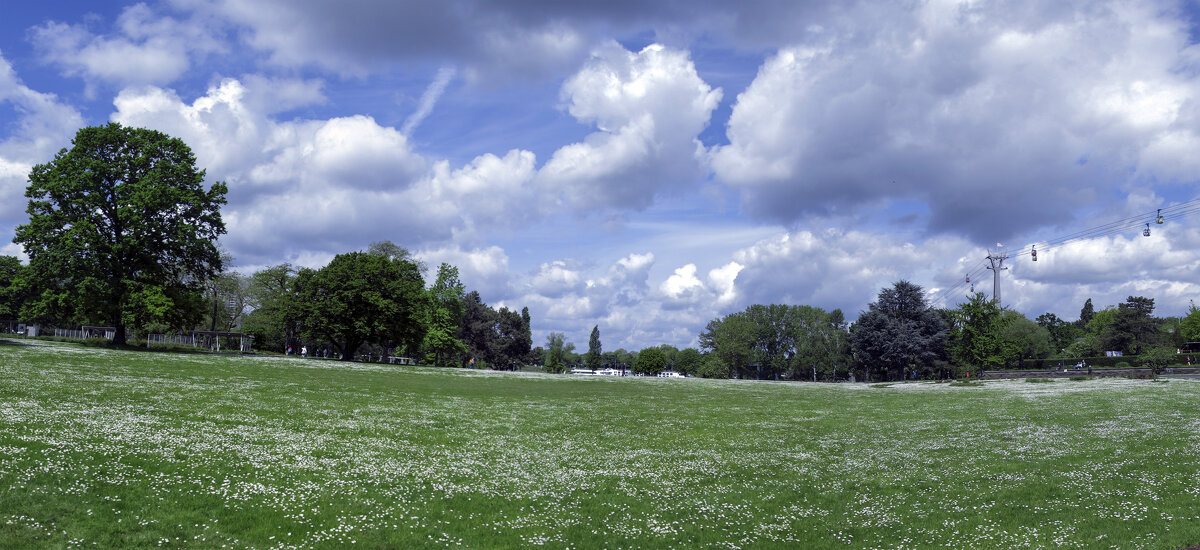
102, 448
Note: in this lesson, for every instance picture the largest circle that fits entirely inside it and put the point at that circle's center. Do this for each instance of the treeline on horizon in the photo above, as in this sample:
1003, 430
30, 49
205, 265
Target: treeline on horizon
901, 336
371, 303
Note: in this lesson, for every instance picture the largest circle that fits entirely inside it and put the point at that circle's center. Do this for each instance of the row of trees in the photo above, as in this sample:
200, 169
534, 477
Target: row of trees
375, 302
559, 356
901, 336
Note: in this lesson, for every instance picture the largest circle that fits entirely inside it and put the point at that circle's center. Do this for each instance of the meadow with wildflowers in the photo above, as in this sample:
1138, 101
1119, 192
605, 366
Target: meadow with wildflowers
106, 448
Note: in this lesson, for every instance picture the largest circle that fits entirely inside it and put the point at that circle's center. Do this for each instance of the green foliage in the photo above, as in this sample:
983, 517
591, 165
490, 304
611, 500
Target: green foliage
1086, 313
619, 359
977, 341
593, 358
276, 308
688, 361
13, 287
1062, 333
363, 298
899, 332
1023, 339
501, 339
445, 316
780, 341
1157, 358
822, 343
1189, 327
714, 366
557, 349
1098, 329
1133, 327
650, 361
118, 223
731, 339
512, 340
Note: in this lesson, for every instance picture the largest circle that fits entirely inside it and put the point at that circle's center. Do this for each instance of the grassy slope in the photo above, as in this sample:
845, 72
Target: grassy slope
125, 449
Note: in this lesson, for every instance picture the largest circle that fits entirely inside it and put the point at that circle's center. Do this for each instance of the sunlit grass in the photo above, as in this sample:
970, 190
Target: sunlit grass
117, 449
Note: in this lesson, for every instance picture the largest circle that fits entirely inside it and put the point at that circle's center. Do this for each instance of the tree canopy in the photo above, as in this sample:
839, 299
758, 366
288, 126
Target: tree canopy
899, 332
121, 230
651, 361
12, 287
363, 298
445, 315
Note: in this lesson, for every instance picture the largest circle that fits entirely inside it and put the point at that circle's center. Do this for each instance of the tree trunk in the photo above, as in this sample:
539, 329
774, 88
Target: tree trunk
349, 350
119, 335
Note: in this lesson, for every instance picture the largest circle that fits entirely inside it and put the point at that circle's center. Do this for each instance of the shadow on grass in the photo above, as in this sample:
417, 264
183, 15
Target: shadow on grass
13, 342
102, 343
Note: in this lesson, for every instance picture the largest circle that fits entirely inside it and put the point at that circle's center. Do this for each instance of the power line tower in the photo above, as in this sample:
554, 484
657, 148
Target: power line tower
997, 260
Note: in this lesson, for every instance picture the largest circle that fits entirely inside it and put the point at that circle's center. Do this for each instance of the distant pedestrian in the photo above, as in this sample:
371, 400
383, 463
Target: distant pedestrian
289, 351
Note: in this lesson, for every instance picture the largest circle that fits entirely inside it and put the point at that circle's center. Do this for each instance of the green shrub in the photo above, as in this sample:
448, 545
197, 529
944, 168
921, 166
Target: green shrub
1082, 378
1123, 365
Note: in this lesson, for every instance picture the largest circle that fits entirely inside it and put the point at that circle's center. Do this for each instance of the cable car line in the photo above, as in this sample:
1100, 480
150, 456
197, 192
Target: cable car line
1132, 223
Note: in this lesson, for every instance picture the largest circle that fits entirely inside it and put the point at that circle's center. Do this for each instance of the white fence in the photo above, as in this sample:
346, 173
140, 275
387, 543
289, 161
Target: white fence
171, 340
204, 340
214, 341
84, 333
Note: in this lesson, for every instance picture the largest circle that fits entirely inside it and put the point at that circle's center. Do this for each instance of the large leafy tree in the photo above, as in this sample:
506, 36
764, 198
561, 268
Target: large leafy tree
510, 343
1024, 339
275, 307
445, 315
476, 330
976, 340
650, 361
822, 343
688, 361
557, 350
733, 340
500, 340
1133, 328
121, 230
1062, 333
362, 298
899, 332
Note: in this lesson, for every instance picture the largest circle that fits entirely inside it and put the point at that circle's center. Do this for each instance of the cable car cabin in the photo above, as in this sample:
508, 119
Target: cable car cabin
1159, 219
1189, 347
1034, 253
1146, 231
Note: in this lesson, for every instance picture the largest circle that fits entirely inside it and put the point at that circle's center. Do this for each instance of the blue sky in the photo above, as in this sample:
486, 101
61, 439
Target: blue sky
648, 166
